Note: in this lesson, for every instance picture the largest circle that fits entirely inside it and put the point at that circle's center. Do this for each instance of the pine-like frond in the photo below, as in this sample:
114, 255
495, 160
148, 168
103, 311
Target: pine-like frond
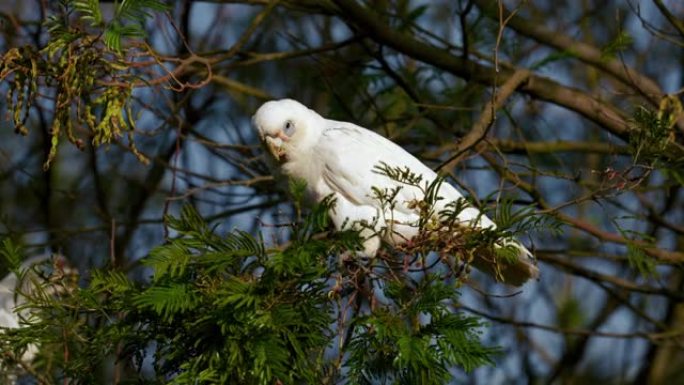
167, 301
90, 10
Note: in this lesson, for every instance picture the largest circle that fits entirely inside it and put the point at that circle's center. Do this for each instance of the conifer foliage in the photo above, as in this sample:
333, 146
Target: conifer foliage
226, 309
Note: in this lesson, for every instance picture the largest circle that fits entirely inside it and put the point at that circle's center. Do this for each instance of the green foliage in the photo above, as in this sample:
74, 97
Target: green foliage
11, 254
404, 175
246, 317
524, 220
38, 285
92, 82
297, 190
226, 309
640, 261
90, 10
415, 337
622, 42
399, 174
128, 21
570, 313
167, 301
653, 131
440, 227
636, 254
552, 58
651, 134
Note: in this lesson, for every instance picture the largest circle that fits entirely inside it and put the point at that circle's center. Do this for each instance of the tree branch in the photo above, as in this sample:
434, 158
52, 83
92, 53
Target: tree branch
597, 111
583, 51
479, 130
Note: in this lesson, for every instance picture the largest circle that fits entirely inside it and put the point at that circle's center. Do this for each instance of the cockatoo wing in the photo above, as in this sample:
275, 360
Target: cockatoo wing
349, 154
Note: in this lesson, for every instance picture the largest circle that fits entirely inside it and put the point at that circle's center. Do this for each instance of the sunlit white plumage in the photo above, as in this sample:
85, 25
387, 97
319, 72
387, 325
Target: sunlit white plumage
338, 158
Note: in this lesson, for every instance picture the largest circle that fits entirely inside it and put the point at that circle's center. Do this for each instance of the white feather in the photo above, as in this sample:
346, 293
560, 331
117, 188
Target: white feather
338, 158
11, 297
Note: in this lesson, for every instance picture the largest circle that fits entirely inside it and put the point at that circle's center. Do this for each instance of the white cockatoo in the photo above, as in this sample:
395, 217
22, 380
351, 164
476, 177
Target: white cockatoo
12, 291
339, 158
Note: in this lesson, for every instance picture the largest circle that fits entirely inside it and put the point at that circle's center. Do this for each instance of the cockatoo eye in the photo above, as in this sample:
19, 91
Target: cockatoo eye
289, 128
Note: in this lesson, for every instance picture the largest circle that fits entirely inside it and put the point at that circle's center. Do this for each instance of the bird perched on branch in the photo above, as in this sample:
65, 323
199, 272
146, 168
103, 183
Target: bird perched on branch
357, 166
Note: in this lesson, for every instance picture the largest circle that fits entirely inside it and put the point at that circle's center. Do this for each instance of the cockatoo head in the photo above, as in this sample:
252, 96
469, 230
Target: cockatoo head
287, 127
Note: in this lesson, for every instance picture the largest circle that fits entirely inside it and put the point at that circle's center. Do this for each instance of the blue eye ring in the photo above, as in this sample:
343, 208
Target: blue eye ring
289, 128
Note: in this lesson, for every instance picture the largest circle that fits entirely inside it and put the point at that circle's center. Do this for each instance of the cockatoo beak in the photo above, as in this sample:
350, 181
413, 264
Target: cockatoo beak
274, 144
